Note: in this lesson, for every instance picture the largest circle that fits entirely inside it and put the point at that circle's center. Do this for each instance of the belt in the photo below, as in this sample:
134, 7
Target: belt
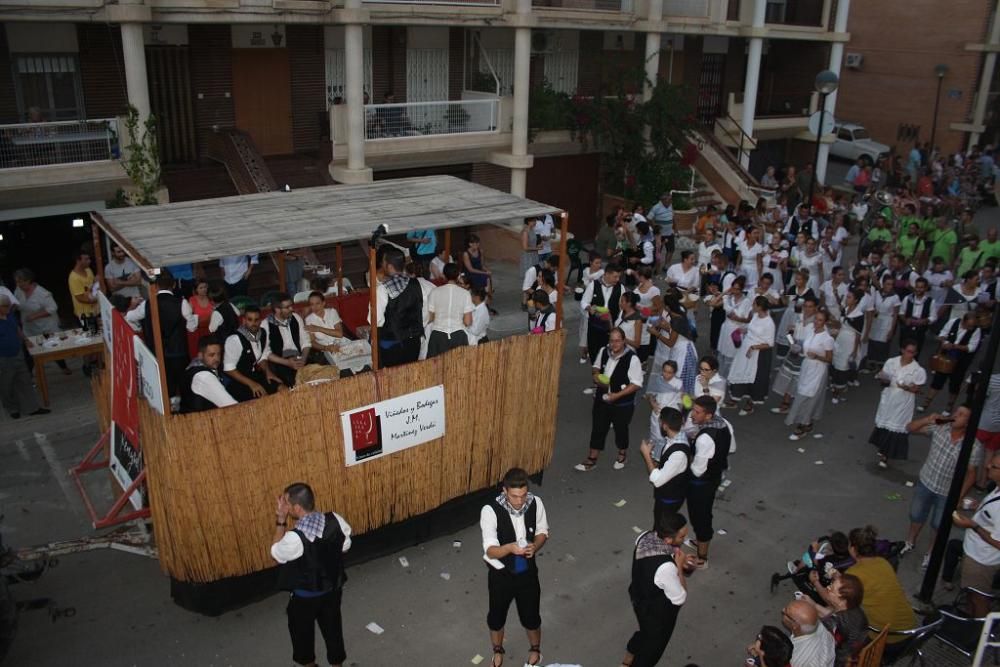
668, 501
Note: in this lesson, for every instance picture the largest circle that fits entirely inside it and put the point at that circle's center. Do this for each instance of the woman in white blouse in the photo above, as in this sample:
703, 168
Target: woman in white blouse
737, 306
709, 381
630, 321
752, 257
902, 379
324, 326
705, 249
810, 390
812, 260
883, 327
751, 370
646, 290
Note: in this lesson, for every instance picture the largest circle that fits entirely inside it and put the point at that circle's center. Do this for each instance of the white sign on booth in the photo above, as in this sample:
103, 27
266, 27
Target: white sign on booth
393, 425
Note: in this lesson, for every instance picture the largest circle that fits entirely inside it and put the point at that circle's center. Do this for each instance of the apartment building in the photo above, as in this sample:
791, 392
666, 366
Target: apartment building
254, 94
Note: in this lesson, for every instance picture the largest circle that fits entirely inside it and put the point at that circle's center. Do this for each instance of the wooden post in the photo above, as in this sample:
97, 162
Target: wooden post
447, 244
373, 306
99, 260
340, 270
563, 269
153, 311
282, 283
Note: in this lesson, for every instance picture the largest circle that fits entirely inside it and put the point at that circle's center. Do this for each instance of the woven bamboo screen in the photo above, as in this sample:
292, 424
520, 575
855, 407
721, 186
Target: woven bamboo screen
214, 476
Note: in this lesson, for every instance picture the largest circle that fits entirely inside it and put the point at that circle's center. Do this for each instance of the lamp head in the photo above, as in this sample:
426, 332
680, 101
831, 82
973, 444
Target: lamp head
826, 82
940, 70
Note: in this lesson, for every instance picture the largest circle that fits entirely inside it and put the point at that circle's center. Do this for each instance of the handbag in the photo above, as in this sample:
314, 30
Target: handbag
737, 337
942, 363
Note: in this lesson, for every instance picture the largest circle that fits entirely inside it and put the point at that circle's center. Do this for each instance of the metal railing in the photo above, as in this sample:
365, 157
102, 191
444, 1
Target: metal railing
745, 142
421, 119
68, 142
624, 6
488, 3
695, 9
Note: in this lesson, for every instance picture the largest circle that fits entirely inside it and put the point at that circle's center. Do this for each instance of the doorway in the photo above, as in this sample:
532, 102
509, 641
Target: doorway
262, 97
710, 87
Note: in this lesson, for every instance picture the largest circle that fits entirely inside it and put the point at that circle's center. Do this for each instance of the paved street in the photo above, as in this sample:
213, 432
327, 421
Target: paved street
779, 500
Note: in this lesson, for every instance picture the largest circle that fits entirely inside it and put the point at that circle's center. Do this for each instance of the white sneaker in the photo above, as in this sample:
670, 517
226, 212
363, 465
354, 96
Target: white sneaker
882, 464
778, 411
926, 561
744, 412
794, 437
906, 548
921, 408
835, 400
792, 567
582, 360
618, 465
854, 383
589, 391
945, 413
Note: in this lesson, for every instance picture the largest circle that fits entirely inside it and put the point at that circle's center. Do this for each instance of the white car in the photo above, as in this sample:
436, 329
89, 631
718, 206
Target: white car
853, 142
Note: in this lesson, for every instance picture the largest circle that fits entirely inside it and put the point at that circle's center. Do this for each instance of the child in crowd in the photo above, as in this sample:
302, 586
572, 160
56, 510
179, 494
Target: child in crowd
480, 317
666, 391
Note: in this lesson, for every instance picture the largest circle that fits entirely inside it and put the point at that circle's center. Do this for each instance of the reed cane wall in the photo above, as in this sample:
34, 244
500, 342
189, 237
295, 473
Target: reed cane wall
214, 476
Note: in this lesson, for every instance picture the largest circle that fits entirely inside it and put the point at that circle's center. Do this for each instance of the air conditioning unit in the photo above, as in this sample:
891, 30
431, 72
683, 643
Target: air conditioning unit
619, 41
542, 41
854, 60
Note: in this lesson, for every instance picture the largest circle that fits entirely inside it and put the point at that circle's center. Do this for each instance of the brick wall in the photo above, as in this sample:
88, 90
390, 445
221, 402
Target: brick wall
896, 84
307, 59
491, 175
211, 79
388, 62
571, 182
102, 70
8, 99
456, 49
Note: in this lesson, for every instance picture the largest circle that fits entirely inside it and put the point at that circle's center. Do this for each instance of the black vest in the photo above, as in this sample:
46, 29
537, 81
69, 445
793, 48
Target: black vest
954, 338
720, 459
614, 307
925, 308
404, 315
190, 401
506, 534
173, 326
247, 363
277, 342
230, 321
321, 566
676, 487
648, 599
619, 378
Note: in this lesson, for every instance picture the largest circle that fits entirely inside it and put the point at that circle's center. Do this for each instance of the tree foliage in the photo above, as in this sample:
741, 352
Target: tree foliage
141, 159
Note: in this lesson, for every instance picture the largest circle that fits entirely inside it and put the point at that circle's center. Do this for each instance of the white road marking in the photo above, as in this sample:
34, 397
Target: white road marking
22, 450
58, 473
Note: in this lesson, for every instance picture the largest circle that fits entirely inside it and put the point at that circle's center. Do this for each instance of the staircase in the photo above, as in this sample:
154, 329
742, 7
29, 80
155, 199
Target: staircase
721, 169
238, 153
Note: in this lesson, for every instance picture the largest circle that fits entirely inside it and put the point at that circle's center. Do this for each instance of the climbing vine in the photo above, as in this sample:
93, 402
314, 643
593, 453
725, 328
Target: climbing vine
141, 160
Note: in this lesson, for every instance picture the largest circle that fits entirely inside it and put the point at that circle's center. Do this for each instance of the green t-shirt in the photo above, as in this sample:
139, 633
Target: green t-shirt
991, 249
910, 245
944, 241
906, 220
928, 225
969, 259
877, 234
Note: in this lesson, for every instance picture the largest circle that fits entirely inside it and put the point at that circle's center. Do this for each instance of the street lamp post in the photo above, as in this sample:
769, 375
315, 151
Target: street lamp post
825, 84
939, 72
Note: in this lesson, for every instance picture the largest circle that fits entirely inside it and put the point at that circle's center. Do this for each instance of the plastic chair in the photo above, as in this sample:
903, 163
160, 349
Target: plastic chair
911, 647
871, 654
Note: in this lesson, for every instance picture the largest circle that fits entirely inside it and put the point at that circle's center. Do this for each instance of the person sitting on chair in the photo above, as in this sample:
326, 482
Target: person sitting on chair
289, 341
245, 360
203, 388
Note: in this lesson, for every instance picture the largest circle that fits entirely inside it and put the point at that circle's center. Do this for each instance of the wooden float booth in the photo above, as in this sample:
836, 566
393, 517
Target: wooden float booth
213, 477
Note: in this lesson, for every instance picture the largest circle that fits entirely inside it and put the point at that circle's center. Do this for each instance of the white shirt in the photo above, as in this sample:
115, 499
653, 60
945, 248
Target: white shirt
960, 334
987, 516
886, 310
488, 526
704, 450
135, 316
833, 296
646, 298
480, 323
207, 386
234, 350
668, 580
634, 367
7, 293
588, 294
543, 228
813, 371
234, 267
330, 320
437, 267
449, 304
530, 276
685, 279
546, 320
705, 253
287, 342
120, 271
675, 465
289, 547
816, 650
937, 283
215, 321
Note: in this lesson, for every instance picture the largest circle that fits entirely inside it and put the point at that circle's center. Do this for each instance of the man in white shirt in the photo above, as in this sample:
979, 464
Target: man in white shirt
543, 230
289, 341
658, 589
812, 643
202, 388
514, 528
668, 471
122, 274
450, 311
834, 291
311, 559
982, 544
480, 317
712, 439
245, 359
236, 270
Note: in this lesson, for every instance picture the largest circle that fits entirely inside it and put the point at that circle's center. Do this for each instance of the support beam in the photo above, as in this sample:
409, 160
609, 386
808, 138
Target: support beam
355, 171
985, 79
752, 82
653, 40
522, 91
373, 307
154, 313
836, 62
99, 261
563, 268
134, 55
340, 271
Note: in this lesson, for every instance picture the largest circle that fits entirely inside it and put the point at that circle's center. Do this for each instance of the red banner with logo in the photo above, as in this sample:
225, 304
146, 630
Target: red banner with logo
124, 385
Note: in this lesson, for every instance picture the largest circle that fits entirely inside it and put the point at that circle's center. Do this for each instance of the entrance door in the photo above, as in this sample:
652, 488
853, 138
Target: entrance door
262, 95
710, 87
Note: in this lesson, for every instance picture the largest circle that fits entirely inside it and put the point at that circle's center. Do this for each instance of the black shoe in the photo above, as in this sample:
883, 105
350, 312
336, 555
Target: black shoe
775, 580
524, 307
15, 415
41, 411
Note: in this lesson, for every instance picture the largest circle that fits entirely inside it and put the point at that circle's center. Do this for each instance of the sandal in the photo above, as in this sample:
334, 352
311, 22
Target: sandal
620, 461
587, 465
498, 651
537, 650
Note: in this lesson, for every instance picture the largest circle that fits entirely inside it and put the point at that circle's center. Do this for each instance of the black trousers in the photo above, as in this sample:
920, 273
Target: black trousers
440, 342
303, 616
700, 498
175, 366
285, 374
242, 393
917, 334
665, 508
606, 416
718, 318
650, 641
596, 339
505, 588
406, 352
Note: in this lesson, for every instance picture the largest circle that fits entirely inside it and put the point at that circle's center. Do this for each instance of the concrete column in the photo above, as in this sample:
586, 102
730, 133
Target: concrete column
982, 95
522, 91
355, 170
836, 61
753, 76
653, 42
134, 55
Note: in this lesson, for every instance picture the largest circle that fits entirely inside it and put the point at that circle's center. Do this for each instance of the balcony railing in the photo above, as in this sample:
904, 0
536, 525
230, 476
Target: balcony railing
624, 6
485, 3
421, 119
695, 9
69, 142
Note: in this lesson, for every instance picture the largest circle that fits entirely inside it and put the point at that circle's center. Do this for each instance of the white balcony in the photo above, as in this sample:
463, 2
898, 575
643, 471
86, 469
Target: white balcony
424, 119
67, 142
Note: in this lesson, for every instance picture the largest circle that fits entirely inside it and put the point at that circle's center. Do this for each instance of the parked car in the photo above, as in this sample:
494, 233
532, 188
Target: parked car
853, 142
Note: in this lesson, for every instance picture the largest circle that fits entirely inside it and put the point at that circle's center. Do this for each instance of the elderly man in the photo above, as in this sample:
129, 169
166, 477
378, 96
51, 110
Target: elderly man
311, 559
39, 313
812, 643
16, 392
202, 388
122, 274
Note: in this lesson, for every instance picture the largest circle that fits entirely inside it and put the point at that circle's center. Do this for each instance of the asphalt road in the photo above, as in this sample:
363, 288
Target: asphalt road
780, 499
